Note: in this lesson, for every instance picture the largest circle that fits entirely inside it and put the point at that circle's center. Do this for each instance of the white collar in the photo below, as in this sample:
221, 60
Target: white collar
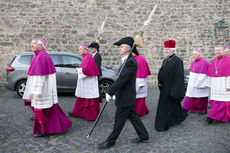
124, 58
94, 54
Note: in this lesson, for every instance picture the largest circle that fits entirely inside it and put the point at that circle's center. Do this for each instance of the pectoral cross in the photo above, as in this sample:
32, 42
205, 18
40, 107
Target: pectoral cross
216, 72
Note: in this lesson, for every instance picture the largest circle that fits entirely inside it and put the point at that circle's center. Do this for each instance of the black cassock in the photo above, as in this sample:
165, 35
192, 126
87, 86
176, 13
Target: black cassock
171, 79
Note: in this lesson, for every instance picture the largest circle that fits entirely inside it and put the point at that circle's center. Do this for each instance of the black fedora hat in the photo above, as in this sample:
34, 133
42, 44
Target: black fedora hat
126, 40
94, 45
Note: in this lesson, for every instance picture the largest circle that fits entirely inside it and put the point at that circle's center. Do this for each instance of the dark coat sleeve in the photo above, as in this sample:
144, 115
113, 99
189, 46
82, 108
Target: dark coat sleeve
177, 90
97, 59
128, 71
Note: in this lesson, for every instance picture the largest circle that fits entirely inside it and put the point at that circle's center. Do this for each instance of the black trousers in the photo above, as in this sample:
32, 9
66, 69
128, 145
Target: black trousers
121, 115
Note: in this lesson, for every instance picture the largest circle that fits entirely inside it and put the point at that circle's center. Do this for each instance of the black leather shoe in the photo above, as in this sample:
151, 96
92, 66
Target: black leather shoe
106, 144
71, 115
32, 118
139, 140
162, 130
38, 135
209, 120
205, 112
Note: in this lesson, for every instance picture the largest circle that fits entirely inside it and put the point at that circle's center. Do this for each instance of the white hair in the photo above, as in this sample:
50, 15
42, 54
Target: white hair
39, 42
173, 49
221, 46
127, 46
85, 48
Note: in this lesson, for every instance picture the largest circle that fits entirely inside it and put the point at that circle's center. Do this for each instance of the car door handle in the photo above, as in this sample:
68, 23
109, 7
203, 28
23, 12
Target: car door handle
67, 73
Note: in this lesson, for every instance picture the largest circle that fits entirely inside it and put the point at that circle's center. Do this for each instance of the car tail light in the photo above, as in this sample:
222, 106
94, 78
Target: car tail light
9, 69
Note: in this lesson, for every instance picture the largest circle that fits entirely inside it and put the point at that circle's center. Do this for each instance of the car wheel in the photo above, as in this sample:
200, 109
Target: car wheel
104, 85
20, 88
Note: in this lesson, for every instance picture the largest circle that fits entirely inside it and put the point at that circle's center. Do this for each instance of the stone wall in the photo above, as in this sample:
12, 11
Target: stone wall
65, 24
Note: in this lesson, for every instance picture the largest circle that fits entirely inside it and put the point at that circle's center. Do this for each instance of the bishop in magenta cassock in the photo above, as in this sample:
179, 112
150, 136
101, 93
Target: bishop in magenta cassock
41, 93
219, 83
87, 102
197, 93
141, 83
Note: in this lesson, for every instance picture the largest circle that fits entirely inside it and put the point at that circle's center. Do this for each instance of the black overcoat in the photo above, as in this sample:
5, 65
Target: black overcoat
125, 86
97, 58
171, 79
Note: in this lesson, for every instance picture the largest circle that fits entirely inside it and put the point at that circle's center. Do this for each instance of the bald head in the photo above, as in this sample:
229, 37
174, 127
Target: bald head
219, 50
196, 55
227, 51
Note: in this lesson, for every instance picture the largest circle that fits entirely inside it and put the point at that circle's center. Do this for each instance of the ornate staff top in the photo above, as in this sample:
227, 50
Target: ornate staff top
138, 38
100, 32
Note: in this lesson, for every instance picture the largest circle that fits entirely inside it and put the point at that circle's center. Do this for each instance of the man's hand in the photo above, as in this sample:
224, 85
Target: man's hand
108, 97
76, 69
30, 96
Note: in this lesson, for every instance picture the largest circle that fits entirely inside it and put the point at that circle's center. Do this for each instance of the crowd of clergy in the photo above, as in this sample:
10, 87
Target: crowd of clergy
208, 85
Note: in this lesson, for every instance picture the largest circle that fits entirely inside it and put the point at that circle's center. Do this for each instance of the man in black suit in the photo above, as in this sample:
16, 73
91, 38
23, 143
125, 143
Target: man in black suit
124, 88
97, 57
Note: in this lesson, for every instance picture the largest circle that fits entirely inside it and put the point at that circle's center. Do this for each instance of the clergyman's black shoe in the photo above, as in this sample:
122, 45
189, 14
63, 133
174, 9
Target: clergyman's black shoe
209, 120
38, 135
162, 130
32, 118
139, 140
71, 115
106, 144
205, 112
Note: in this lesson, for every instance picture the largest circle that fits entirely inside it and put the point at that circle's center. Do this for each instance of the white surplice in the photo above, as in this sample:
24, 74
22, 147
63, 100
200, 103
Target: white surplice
141, 87
196, 85
87, 87
219, 86
44, 90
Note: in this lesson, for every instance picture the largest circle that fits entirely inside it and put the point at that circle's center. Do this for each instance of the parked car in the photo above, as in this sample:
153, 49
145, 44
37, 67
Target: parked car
66, 74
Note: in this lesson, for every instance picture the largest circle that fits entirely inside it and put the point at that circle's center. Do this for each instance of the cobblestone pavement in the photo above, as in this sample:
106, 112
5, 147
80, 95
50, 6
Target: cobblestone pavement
194, 135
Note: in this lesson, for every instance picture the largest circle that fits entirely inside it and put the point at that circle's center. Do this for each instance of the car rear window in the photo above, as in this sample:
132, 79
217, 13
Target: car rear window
25, 59
11, 61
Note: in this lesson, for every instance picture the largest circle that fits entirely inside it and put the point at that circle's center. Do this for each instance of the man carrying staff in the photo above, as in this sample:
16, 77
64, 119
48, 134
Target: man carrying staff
197, 93
87, 102
125, 92
171, 85
41, 92
219, 83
